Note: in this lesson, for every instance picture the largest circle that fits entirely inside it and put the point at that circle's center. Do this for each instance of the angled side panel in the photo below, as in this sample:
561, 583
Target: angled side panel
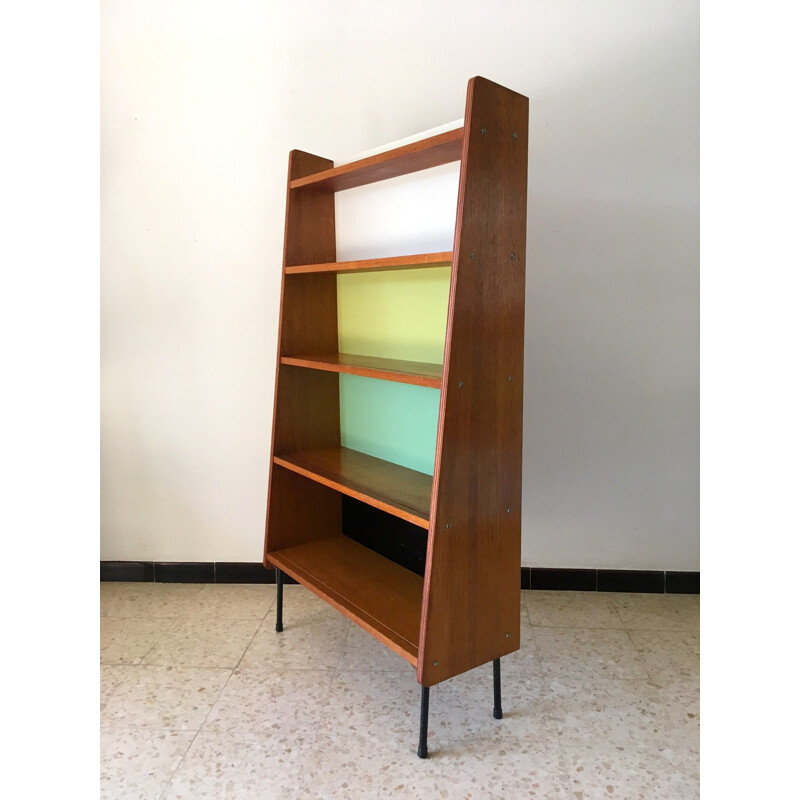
471, 599
306, 411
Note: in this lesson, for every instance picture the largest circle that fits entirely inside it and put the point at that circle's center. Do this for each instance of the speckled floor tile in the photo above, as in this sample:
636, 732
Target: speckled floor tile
681, 701
245, 768
524, 661
302, 606
165, 600
602, 771
231, 601
362, 651
357, 766
525, 767
374, 705
137, 764
310, 640
271, 702
110, 679
203, 643
668, 655
127, 641
370, 752
461, 707
626, 713
572, 610
659, 612
577, 651
323, 710
177, 698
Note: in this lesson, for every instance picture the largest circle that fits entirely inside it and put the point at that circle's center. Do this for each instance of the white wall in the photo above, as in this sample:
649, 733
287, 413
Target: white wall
201, 103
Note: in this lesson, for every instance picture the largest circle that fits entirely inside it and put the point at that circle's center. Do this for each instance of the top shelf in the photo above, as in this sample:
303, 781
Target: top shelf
424, 154
418, 261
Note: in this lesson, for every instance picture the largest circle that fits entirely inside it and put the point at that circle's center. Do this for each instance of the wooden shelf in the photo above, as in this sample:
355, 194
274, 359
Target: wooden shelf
377, 594
431, 152
399, 491
419, 261
418, 373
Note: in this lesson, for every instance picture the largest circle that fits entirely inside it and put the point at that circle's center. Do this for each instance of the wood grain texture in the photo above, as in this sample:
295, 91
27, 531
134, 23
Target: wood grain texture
418, 373
377, 594
300, 511
306, 410
418, 261
431, 152
399, 491
471, 597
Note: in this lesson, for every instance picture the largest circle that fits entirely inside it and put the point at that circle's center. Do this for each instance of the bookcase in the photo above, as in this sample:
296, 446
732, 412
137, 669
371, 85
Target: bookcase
429, 564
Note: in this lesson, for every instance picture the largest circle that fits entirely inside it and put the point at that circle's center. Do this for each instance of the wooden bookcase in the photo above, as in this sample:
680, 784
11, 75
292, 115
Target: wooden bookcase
463, 609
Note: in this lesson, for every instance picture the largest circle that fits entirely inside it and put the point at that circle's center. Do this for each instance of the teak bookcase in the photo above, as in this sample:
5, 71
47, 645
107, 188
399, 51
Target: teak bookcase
463, 610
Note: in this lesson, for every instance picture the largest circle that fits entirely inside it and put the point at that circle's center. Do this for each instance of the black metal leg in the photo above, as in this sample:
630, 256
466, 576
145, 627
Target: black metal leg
279, 621
422, 750
498, 705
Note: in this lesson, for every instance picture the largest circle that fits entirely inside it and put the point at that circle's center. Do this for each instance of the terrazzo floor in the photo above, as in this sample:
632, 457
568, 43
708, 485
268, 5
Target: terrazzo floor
200, 698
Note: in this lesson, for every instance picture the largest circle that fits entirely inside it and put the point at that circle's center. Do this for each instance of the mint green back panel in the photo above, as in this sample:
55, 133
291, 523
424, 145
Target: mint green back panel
396, 314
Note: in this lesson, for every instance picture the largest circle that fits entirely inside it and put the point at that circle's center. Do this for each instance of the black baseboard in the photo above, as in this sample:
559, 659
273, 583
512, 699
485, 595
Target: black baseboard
134, 571
185, 572
570, 580
565, 580
683, 583
243, 572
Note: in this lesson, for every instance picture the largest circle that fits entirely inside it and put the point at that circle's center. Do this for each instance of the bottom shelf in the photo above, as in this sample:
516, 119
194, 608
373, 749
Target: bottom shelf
377, 594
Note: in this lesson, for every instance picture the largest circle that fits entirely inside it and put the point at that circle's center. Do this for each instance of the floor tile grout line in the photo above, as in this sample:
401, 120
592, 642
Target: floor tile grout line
550, 717
581, 627
333, 673
178, 616
213, 706
181, 618
114, 616
311, 748
158, 639
638, 657
629, 628
344, 644
178, 766
317, 727
247, 646
194, 738
619, 616
146, 728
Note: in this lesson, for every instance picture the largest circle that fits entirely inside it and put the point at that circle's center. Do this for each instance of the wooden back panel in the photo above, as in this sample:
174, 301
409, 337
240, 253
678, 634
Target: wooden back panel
306, 411
470, 612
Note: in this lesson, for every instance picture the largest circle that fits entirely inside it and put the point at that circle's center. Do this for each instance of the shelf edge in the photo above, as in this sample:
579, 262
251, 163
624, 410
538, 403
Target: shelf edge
350, 610
443, 148
378, 373
416, 261
390, 508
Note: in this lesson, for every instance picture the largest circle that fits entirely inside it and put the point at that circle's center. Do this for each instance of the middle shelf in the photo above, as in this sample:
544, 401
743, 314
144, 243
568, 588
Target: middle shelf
399, 491
418, 373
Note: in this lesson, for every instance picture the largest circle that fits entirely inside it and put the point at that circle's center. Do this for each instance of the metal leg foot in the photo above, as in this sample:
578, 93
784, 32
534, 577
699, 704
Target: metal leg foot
498, 705
422, 750
279, 620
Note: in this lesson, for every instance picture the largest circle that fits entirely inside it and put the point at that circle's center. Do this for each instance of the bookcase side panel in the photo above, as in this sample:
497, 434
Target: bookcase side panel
306, 409
471, 602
